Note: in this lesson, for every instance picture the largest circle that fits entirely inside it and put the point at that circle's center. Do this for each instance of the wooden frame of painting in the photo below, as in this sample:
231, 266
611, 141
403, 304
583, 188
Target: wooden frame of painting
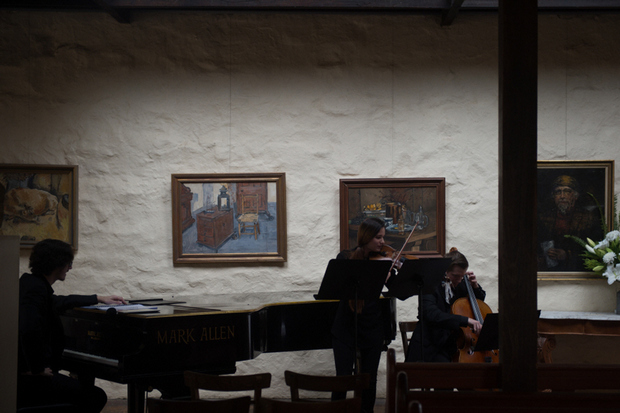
229, 218
401, 202
39, 202
568, 194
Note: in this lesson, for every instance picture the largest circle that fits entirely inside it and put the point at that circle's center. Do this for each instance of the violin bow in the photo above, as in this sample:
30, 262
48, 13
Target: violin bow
401, 251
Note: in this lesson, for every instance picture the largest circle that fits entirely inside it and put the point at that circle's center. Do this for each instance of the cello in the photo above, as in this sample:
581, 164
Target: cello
471, 307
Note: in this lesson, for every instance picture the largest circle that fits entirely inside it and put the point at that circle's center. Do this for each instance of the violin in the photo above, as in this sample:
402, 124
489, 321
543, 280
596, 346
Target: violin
471, 307
389, 253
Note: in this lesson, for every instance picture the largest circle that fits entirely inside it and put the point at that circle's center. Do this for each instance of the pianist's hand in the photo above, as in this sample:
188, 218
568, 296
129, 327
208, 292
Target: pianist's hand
47, 372
111, 299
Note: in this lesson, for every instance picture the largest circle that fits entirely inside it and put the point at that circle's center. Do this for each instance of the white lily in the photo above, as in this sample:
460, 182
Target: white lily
612, 235
609, 273
609, 258
602, 245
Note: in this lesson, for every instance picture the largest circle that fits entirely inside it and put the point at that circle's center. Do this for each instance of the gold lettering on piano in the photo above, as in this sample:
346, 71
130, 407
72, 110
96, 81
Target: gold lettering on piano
94, 335
185, 336
180, 336
217, 333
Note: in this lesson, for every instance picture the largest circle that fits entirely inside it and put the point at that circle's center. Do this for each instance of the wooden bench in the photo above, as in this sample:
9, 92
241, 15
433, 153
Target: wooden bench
562, 388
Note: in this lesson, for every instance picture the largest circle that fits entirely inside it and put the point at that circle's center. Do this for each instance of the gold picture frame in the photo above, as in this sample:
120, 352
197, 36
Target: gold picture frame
420, 200
39, 202
229, 218
568, 193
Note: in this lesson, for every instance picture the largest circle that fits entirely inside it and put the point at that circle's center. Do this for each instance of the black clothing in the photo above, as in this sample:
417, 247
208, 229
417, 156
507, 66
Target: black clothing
41, 342
370, 333
344, 358
439, 326
552, 230
41, 337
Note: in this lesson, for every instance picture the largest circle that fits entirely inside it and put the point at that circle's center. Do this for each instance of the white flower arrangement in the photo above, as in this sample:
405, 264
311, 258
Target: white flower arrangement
603, 258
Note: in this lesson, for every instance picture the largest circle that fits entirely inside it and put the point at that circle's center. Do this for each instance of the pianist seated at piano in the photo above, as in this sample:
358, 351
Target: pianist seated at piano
41, 337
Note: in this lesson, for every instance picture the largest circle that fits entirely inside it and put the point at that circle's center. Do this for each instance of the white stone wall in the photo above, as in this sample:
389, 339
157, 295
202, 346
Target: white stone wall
320, 97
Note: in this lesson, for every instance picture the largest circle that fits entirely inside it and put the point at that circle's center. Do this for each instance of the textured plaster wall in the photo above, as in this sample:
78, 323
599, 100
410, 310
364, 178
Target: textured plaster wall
320, 97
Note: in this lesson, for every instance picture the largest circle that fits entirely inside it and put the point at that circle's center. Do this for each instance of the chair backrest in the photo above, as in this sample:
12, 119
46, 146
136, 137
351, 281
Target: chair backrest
249, 204
236, 405
406, 327
415, 407
199, 381
297, 381
339, 406
49, 408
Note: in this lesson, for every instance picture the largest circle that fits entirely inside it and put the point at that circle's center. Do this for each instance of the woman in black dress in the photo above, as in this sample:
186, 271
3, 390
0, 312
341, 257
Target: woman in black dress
370, 329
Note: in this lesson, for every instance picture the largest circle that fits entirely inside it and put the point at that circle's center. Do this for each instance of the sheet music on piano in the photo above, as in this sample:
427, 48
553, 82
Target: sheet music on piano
125, 308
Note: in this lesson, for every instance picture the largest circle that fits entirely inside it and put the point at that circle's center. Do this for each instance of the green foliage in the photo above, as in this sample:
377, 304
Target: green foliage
610, 246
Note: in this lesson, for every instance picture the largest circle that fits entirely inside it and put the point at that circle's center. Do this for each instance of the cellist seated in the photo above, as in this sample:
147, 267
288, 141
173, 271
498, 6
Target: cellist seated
443, 324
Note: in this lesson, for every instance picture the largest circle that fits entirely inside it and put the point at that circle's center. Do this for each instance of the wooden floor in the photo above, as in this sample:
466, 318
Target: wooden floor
120, 406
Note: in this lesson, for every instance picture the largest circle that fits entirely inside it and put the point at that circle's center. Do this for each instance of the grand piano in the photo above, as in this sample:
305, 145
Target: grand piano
151, 350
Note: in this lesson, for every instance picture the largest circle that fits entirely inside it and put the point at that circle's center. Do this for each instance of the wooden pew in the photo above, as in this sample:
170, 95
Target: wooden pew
562, 388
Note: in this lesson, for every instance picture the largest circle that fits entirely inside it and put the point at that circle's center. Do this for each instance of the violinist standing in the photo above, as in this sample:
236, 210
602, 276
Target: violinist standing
370, 241
438, 326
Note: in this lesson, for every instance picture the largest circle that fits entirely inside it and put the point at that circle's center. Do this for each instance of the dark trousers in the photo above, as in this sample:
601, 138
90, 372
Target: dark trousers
42, 390
344, 357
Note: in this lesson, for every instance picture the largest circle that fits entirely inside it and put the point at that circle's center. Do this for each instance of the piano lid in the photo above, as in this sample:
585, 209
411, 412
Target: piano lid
237, 302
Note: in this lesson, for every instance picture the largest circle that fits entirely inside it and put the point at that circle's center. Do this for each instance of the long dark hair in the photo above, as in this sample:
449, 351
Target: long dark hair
458, 259
49, 255
368, 230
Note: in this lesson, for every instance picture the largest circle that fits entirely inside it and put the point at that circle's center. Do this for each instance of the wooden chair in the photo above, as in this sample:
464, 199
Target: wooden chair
199, 381
249, 215
50, 408
561, 388
236, 405
296, 381
338, 406
437, 375
405, 328
415, 407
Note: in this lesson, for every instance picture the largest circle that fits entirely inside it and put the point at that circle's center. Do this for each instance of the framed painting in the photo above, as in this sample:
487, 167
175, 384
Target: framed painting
574, 198
224, 218
404, 204
39, 202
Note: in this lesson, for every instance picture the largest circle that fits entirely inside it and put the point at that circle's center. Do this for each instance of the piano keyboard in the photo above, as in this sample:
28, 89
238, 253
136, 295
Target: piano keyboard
90, 358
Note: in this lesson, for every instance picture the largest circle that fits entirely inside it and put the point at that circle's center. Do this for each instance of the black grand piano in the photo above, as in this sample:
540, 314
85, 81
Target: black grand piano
151, 350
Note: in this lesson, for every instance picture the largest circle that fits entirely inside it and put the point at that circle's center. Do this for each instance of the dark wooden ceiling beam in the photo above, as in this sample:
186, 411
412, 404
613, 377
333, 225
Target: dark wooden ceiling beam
411, 5
116, 6
120, 15
450, 14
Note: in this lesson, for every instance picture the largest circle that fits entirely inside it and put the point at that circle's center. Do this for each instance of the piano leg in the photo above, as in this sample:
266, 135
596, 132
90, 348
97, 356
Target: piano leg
171, 387
136, 396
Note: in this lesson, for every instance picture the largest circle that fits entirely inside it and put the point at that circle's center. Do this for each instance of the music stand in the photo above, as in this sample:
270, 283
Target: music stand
353, 280
418, 277
488, 339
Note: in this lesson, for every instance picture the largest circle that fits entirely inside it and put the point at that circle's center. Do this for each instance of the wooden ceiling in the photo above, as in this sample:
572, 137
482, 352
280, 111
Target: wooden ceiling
121, 9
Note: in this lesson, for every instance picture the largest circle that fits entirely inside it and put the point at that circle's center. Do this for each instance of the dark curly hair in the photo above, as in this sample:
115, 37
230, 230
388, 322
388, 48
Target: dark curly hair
49, 255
